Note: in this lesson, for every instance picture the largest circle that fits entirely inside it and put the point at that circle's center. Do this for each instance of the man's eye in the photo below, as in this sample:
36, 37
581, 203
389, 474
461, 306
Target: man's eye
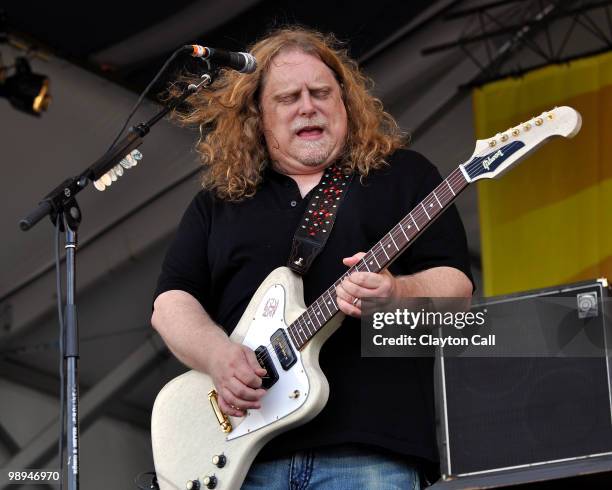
287, 99
321, 94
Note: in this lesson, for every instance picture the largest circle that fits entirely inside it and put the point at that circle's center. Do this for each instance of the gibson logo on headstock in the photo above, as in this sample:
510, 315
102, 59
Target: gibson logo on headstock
486, 163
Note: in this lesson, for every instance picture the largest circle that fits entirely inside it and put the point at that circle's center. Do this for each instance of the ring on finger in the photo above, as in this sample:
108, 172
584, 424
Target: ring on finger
355, 301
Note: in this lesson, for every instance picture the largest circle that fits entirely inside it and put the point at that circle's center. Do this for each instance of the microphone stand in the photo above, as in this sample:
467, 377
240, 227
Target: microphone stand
60, 204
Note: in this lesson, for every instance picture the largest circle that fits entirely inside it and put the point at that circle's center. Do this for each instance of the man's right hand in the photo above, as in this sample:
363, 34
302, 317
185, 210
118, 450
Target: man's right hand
237, 378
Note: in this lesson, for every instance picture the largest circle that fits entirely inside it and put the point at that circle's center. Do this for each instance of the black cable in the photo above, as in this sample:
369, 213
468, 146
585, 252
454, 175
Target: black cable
144, 93
58, 286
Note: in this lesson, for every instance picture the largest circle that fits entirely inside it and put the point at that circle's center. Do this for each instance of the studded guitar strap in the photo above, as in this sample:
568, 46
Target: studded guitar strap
318, 220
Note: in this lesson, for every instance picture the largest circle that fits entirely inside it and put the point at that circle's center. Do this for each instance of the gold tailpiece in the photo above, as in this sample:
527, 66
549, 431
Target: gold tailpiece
226, 425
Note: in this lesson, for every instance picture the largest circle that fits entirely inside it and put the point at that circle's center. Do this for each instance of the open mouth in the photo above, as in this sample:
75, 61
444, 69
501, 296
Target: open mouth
310, 132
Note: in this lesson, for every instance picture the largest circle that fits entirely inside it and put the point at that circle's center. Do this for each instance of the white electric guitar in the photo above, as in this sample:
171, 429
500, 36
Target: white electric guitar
195, 445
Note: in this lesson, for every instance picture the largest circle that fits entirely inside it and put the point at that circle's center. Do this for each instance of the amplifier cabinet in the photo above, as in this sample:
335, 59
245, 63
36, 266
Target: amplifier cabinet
518, 415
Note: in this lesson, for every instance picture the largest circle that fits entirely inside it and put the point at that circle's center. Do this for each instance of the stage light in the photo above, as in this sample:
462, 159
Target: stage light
26, 91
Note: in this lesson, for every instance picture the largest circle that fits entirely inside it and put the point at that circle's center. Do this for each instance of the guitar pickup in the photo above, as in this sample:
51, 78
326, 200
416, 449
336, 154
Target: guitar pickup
284, 352
265, 361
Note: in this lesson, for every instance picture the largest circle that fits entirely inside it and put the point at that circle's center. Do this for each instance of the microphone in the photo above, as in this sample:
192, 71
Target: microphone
242, 62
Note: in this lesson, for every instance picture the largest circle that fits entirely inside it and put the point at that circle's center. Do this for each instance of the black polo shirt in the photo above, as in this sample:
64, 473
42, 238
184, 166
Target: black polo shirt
222, 251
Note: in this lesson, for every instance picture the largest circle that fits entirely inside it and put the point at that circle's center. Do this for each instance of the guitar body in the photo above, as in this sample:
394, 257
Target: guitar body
185, 431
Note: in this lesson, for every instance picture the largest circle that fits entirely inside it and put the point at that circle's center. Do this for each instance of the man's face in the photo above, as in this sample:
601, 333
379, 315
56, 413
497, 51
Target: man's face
304, 117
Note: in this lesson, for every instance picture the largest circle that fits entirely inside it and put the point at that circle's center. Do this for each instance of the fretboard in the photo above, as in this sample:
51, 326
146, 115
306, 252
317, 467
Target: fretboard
380, 256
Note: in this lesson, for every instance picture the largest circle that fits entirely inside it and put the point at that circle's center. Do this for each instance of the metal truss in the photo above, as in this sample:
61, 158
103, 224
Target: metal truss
540, 32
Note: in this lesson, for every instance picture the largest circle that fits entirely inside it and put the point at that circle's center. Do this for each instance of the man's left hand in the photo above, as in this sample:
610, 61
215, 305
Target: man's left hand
363, 285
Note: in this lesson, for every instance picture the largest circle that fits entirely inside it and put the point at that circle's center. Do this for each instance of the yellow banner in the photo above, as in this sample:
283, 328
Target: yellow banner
549, 221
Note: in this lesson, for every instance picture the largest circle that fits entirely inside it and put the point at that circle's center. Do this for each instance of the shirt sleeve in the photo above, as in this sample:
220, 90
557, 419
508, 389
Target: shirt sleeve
444, 242
185, 266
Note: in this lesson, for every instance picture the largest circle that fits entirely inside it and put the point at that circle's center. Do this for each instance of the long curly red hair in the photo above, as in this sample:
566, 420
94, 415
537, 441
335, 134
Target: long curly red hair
232, 147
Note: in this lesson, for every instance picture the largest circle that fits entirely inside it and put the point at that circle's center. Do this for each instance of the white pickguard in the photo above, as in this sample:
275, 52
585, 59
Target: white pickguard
280, 400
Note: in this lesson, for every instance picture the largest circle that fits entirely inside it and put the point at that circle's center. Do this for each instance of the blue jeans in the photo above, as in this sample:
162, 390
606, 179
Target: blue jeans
342, 467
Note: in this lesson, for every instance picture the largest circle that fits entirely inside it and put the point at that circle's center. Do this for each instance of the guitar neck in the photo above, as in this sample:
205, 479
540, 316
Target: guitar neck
381, 255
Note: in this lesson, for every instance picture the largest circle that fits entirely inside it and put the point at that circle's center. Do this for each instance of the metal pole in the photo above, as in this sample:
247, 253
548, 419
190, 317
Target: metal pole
72, 218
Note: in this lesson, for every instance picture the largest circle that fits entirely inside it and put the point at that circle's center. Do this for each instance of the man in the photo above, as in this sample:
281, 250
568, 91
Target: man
273, 135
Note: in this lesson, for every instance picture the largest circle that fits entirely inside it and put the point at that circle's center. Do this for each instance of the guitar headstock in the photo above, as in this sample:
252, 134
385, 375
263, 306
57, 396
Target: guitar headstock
131, 160
495, 156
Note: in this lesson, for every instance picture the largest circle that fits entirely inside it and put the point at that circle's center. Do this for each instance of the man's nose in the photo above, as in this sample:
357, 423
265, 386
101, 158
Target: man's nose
307, 107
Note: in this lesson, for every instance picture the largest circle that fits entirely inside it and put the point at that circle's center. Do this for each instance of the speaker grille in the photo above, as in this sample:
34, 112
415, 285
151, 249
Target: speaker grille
516, 411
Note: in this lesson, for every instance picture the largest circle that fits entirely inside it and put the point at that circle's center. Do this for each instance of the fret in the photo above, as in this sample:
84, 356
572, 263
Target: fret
366, 265
415, 223
430, 205
293, 337
311, 322
450, 187
323, 314
325, 303
305, 330
402, 228
423, 206
333, 301
374, 255
383, 249
396, 247
301, 329
319, 313
439, 203
304, 324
